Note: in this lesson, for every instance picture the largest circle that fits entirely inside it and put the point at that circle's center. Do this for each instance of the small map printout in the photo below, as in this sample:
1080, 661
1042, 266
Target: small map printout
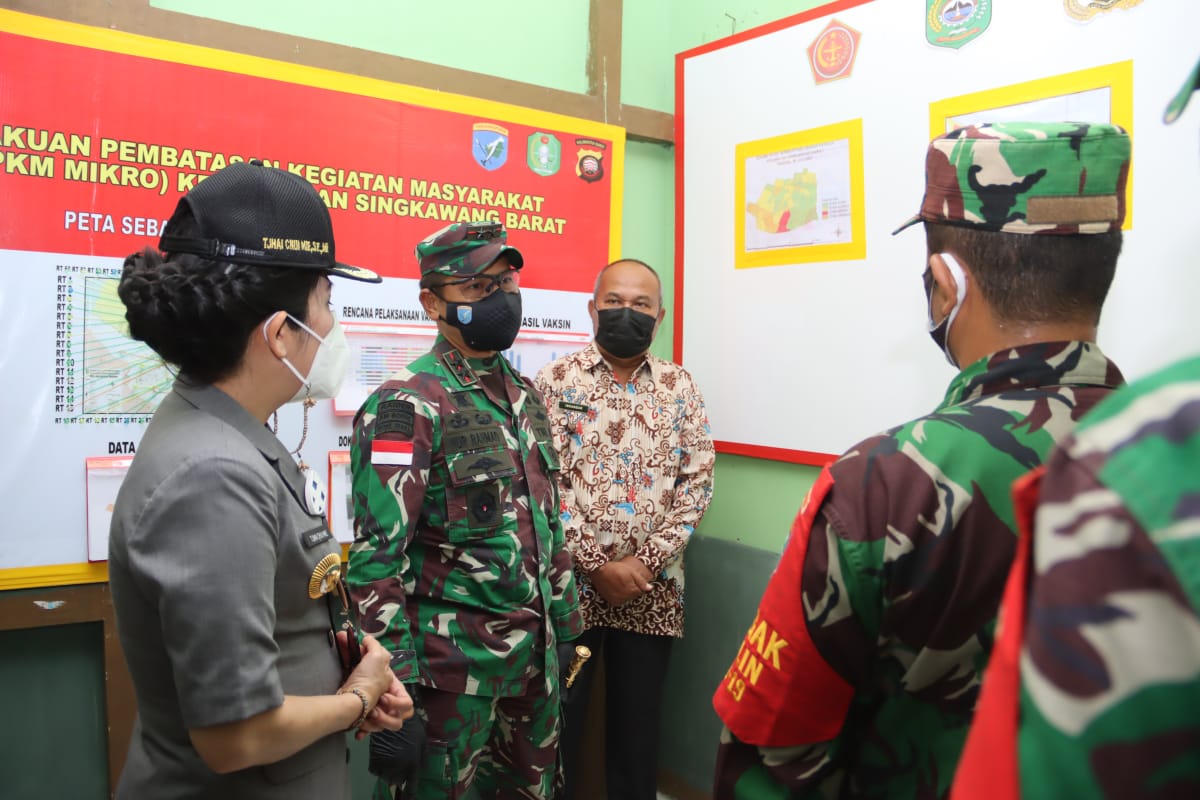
802, 197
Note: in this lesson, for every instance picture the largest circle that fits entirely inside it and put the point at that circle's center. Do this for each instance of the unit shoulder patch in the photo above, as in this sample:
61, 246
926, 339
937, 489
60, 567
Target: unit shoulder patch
395, 416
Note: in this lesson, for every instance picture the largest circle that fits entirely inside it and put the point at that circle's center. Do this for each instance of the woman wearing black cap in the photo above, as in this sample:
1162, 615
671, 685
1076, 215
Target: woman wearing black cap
224, 575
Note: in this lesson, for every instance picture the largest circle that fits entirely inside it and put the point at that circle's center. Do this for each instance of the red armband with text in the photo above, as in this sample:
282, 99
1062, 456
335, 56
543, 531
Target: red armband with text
779, 691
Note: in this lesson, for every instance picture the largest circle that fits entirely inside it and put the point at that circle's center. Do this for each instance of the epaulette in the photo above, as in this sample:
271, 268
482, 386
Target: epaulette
459, 367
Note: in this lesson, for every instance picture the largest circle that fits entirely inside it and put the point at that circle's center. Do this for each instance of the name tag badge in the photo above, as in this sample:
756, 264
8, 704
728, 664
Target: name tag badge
473, 439
316, 536
472, 431
581, 407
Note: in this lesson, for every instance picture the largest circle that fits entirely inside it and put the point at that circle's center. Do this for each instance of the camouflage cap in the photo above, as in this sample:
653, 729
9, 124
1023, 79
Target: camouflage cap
1061, 178
1180, 100
465, 248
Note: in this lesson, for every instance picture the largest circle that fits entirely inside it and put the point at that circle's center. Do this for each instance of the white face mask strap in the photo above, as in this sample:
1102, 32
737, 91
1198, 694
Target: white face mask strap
296, 372
960, 278
940, 331
311, 332
960, 284
286, 361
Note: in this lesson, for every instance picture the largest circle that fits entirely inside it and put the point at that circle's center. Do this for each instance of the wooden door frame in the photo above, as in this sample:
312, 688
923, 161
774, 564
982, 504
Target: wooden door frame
69, 605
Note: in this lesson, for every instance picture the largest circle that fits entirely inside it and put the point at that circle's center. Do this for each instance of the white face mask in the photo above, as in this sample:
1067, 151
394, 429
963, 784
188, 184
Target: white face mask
329, 365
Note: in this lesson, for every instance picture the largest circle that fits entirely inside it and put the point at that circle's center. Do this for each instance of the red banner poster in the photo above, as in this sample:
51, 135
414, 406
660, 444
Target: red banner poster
102, 132
96, 151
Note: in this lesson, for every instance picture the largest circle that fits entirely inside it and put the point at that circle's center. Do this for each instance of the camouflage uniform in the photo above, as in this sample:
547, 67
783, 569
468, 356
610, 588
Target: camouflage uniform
1093, 687
459, 565
995, 178
1101, 615
900, 555
859, 675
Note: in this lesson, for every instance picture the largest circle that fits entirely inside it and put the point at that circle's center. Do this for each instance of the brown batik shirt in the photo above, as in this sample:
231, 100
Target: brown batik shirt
637, 475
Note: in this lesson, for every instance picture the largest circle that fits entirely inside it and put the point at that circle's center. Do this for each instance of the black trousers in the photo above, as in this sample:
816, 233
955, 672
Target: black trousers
635, 668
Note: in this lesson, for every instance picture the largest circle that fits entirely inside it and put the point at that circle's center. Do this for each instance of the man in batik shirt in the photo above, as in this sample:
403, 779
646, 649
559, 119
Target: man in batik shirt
859, 675
459, 565
1094, 686
637, 469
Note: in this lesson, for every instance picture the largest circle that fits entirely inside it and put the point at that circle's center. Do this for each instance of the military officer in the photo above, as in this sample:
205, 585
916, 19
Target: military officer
459, 565
1093, 687
860, 672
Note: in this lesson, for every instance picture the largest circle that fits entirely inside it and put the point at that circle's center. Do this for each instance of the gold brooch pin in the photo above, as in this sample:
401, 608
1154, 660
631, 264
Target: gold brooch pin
325, 576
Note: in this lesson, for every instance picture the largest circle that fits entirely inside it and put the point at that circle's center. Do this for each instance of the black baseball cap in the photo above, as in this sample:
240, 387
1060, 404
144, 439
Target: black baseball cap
249, 213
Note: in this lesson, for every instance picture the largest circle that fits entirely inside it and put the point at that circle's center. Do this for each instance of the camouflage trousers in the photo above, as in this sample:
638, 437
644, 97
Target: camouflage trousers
501, 747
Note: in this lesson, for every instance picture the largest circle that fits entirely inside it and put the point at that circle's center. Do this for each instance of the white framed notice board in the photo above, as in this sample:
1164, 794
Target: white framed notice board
800, 315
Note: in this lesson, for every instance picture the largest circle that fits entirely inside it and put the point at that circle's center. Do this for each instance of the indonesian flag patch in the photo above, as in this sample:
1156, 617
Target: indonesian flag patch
392, 454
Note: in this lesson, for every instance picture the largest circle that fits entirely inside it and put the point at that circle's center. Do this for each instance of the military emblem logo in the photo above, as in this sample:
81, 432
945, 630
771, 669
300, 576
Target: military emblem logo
489, 145
590, 163
953, 23
484, 463
831, 55
543, 154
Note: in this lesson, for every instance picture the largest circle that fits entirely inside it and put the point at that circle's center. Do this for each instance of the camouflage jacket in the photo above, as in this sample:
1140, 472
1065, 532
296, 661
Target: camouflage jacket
1099, 649
860, 673
459, 565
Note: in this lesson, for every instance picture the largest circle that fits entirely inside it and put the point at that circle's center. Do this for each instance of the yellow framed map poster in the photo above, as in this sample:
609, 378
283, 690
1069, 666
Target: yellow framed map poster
799, 197
1099, 94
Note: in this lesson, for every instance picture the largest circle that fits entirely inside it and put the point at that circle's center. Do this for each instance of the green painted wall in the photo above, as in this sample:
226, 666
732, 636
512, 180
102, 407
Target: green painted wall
655, 30
533, 41
648, 229
524, 40
755, 501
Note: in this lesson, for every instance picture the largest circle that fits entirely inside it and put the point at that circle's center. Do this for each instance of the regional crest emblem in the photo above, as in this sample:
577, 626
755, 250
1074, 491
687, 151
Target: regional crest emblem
489, 145
543, 154
953, 23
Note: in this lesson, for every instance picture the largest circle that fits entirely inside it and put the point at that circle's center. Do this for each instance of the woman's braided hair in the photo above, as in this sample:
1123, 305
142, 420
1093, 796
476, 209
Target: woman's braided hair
198, 314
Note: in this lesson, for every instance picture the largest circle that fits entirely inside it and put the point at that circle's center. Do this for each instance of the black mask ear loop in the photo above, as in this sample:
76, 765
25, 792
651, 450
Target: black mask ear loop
434, 290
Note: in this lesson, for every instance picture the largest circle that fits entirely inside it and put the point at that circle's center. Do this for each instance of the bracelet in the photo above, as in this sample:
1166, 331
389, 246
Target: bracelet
366, 706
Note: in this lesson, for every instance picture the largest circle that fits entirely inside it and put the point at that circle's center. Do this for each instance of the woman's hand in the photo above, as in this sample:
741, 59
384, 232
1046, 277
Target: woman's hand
390, 703
394, 707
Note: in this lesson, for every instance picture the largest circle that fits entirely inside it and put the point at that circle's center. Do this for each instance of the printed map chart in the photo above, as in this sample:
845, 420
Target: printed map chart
103, 375
804, 197
799, 197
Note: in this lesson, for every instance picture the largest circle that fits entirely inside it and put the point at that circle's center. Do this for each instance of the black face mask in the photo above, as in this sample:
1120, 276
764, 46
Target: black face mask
490, 324
624, 332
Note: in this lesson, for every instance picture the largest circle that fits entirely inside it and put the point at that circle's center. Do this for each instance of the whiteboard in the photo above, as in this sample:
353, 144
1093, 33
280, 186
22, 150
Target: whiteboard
61, 509
798, 361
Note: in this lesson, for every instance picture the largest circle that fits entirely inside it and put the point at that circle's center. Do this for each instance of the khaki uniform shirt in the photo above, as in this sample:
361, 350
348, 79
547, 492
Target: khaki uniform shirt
210, 558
